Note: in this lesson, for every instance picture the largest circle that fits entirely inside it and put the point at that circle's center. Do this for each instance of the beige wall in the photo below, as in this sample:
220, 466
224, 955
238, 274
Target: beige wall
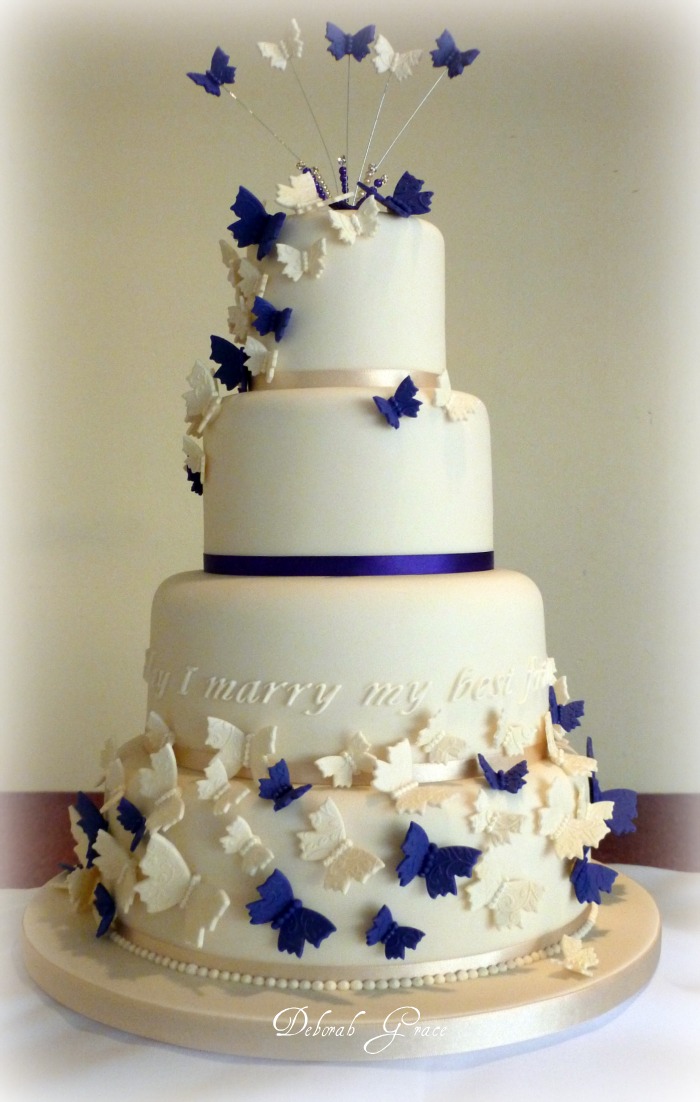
566, 169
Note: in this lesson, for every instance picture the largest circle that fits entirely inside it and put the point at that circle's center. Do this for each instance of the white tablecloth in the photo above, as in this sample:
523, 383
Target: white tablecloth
649, 1049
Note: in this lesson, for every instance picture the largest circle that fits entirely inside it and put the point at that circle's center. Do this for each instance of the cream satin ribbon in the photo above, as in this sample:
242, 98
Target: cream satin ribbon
169, 952
370, 378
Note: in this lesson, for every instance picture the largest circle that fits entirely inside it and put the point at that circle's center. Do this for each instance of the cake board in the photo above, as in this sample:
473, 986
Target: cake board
102, 981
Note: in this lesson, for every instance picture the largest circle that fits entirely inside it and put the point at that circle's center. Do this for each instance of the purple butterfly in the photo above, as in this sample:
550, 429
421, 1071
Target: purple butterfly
232, 361
279, 788
505, 780
590, 879
255, 226
296, 923
448, 55
402, 404
220, 73
407, 198
437, 865
195, 480
268, 319
132, 820
624, 800
105, 907
91, 822
395, 939
341, 44
568, 715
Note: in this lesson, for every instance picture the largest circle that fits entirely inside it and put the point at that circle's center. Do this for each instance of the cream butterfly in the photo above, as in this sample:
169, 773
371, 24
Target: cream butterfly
439, 745
117, 868
261, 360
577, 957
490, 820
561, 753
351, 224
457, 406
202, 401
168, 882
354, 759
240, 839
239, 321
218, 788
395, 777
572, 822
158, 785
328, 842
245, 277
236, 750
157, 733
512, 738
299, 194
297, 263
507, 900
279, 53
387, 60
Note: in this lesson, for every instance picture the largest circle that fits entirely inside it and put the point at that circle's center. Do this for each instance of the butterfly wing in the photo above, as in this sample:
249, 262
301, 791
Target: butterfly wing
166, 875
105, 907
229, 742
387, 409
204, 907
117, 870
590, 879
338, 41
352, 865
91, 821
232, 361
513, 899
446, 47
415, 847
132, 820
275, 897
328, 833
300, 926
405, 398
361, 42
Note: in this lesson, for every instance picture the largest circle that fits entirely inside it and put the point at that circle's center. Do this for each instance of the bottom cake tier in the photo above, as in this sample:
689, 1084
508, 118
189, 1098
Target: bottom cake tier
325, 885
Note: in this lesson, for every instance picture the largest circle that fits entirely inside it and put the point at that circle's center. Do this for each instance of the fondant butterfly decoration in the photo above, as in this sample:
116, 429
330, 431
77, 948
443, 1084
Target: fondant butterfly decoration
508, 900
106, 909
561, 753
577, 957
439, 745
395, 777
195, 463
202, 401
504, 780
448, 56
395, 939
236, 750
297, 924
268, 319
231, 360
407, 198
624, 801
261, 360
133, 821
168, 882
387, 60
158, 784
571, 822
254, 226
117, 870
156, 734
245, 277
437, 865
565, 712
239, 838
218, 788
401, 404
90, 820
239, 320
351, 224
490, 820
218, 74
344, 862
279, 53
354, 759
82, 878
349, 45
301, 194
590, 879
278, 788
512, 738
114, 776
298, 262
457, 406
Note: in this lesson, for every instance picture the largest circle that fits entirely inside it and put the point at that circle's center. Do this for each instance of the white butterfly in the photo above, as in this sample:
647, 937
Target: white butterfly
239, 321
387, 60
114, 776
577, 957
297, 263
158, 784
328, 842
395, 777
240, 839
561, 753
218, 788
157, 733
195, 459
236, 750
512, 738
354, 759
507, 900
202, 401
300, 194
572, 823
457, 406
246, 277
490, 820
261, 360
279, 53
118, 870
351, 224
168, 882
439, 745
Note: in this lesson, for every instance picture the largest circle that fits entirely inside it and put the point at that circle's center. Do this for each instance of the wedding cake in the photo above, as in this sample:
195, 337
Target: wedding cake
359, 766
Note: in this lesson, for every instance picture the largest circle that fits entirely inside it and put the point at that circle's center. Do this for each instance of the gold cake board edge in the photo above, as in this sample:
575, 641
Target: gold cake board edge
98, 979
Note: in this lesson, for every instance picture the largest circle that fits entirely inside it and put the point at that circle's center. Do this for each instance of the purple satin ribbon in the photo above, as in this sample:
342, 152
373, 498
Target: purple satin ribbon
343, 566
